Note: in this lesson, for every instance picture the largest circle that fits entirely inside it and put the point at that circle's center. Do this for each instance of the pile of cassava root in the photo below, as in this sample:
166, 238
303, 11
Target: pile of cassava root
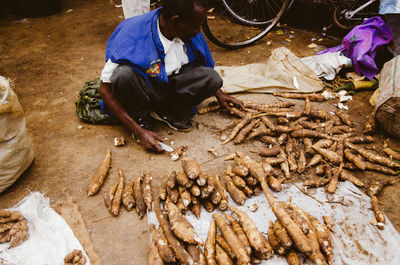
191, 188
314, 145
13, 228
134, 193
239, 241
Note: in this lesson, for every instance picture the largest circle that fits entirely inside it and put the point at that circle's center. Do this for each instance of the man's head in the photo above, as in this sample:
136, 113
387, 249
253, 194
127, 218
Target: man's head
184, 17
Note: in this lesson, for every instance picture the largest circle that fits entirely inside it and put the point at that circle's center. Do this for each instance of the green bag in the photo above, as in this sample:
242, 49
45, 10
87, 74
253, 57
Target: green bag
88, 104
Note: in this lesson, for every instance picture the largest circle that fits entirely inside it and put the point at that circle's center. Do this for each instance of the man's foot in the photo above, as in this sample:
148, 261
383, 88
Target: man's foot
182, 125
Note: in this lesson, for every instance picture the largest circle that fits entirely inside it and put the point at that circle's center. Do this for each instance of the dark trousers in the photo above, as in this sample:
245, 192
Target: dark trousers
184, 91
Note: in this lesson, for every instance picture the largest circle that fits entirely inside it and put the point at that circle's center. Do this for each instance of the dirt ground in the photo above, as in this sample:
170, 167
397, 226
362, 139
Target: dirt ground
51, 58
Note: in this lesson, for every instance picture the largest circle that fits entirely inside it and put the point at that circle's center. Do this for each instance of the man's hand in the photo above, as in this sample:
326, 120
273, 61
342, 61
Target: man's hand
150, 141
225, 101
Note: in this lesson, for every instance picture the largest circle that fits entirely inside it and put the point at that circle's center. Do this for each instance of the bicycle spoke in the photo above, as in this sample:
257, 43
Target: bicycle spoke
270, 8
263, 8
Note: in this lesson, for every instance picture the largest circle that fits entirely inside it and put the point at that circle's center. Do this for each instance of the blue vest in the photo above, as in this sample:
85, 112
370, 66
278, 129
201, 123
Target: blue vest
135, 41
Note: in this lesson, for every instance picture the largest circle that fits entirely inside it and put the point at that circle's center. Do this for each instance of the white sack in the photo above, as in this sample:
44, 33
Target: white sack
133, 8
283, 71
15, 153
50, 237
356, 241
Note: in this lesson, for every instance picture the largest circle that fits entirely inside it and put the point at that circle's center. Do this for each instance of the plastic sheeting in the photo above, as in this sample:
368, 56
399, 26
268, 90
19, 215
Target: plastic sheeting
50, 237
327, 65
356, 241
389, 6
283, 71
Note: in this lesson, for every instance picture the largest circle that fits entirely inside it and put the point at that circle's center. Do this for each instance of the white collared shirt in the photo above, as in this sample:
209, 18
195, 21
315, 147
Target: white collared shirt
175, 53
175, 57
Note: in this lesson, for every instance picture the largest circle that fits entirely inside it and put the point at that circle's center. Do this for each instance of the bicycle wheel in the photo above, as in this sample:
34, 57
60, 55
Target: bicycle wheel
227, 31
253, 12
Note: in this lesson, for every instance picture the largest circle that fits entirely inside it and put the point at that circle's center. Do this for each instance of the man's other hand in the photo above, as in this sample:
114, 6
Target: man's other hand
225, 101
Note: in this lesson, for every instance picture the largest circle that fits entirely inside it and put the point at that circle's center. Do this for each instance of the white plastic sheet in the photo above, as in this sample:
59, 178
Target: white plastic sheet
356, 241
389, 6
50, 237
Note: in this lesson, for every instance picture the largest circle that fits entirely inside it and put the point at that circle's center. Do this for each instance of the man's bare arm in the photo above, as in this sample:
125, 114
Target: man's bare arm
148, 139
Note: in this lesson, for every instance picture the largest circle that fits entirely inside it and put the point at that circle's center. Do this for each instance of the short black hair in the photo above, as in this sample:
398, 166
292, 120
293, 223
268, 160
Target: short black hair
183, 8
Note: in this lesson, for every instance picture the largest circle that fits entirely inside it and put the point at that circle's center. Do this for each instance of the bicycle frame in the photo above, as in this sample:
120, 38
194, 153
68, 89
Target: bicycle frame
350, 14
354, 12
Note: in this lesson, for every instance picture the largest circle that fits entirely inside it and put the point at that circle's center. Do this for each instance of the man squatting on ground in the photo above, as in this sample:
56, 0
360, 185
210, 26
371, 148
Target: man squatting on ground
158, 65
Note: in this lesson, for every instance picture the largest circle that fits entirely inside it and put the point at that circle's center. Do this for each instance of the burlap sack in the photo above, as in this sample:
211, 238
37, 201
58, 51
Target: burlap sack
15, 153
388, 103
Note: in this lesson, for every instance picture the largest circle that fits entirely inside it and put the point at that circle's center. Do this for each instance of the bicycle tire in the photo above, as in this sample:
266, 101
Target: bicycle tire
258, 13
220, 41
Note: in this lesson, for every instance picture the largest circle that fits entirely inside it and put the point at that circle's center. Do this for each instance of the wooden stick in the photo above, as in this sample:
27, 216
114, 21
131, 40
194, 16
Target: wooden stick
306, 193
